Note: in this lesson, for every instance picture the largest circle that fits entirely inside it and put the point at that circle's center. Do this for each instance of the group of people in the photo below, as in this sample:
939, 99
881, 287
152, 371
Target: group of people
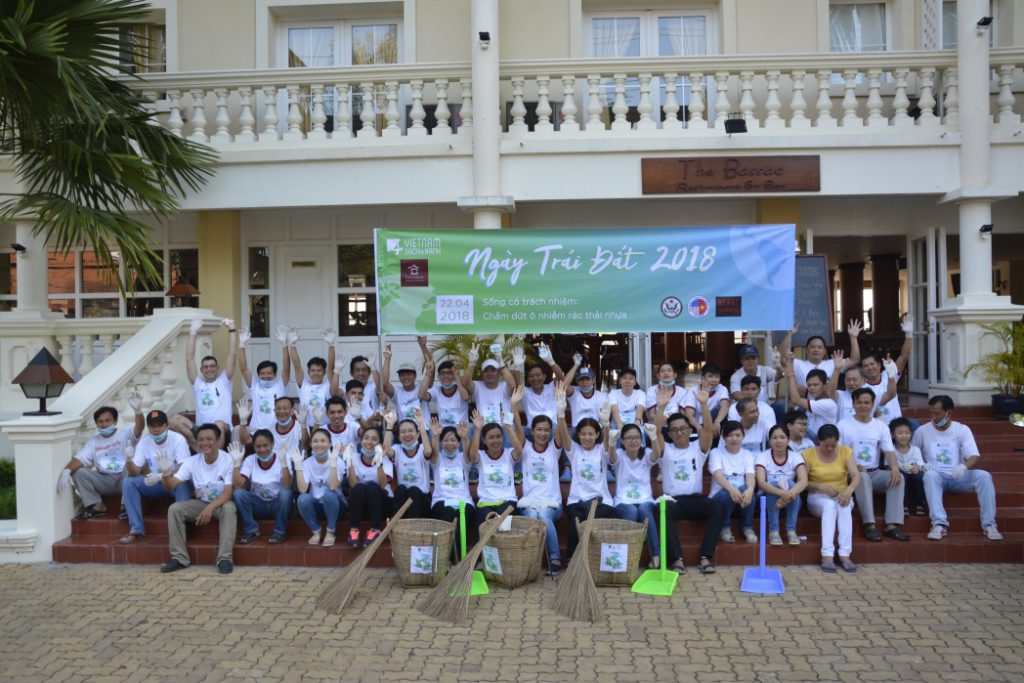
364, 446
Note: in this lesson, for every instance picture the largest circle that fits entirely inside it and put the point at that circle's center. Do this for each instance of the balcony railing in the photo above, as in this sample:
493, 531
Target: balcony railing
402, 103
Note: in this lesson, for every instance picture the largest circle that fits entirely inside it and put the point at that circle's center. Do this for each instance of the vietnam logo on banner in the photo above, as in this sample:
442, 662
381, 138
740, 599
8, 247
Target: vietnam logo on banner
692, 279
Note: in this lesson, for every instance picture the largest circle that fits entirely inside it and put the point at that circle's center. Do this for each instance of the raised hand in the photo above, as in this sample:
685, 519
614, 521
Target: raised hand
244, 406
776, 357
295, 455
435, 427
390, 418
197, 324
517, 395
496, 351
664, 395
371, 358
163, 462
387, 352
478, 420
474, 355
237, 453
519, 358
545, 353
339, 365
853, 329
293, 335
652, 431
355, 409
318, 415
702, 396
328, 335
417, 413
348, 455
135, 401
604, 414
560, 397
333, 456
908, 325
243, 337
462, 430
837, 358
282, 334
302, 413
577, 359
890, 366
508, 418
378, 455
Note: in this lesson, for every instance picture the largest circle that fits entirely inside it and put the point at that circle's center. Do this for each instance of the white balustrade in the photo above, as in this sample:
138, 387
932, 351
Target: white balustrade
269, 134
466, 112
697, 101
850, 117
222, 121
645, 108
722, 106
245, 118
174, 120
294, 118
797, 103
317, 117
594, 107
198, 116
391, 128
773, 104
875, 118
569, 110
543, 106
900, 102
367, 115
518, 109
417, 113
952, 98
926, 100
1006, 98
824, 102
671, 107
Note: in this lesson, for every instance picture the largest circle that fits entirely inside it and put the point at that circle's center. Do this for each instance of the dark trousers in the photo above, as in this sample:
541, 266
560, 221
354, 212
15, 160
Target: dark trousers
693, 508
449, 514
366, 501
420, 502
482, 512
578, 512
914, 490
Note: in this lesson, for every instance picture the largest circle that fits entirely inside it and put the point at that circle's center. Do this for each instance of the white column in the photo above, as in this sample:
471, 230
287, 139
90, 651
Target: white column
32, 265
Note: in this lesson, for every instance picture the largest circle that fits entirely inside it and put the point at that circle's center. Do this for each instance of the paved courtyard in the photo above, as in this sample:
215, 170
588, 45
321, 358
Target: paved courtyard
889, 622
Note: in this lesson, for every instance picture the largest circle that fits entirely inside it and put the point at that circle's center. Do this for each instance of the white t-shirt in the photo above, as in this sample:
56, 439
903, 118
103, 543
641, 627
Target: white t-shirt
781, 476
413, 471
674, 404
283, 443
318, 475
891, 410
496, 484
451, 480
714, 400
633, 478
589, 473
371, 402
844, 399
314, 396
213, 399
868, 441
539, 404
586, 406
491, 402
945, 448
734, 467
755, 439
800, 446
265, 484
451, 410
683, 469
208, 480
367, 473
765, 413
263, 403
766, 374
106, 453
407, 401
802, 367
343, 438
821, 412
627, 405
911, 458
175, 446
540, 473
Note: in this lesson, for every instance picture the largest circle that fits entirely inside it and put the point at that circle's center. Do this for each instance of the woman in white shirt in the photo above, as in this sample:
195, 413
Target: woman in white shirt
411, 459
781, 475
542, 493
496, 491
317, 481
368, 477
732, 480
451, 472
263, 487
633, 462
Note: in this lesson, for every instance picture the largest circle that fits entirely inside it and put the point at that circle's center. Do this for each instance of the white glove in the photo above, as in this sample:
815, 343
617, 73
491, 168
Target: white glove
293, 336
135, 402
474, 355
333, 458
228, 323
64, 480
237, 453
302, 413
339, 365
664, 497
958, 471
152, 479
197, 324
389, 420
371, 358
613, 434
282, 334
243, 337
518, 359
890, 368
652, 431
355, 409
906, 468
244, 410
560, 404
776, 358
348, 455
507, 418
577, 358
295, 455
328, 334
164, 463
129, 453
927, 467
545, 354
318, 415
496, 351
908, 325
378, 456
605, 414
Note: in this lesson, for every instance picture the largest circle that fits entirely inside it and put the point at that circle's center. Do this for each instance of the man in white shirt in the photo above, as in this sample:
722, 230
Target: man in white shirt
211, 473
405, 398
98, 469
879, 371
821, 410
749, 367
751, 388
870, 441
314, 385
211, 388
816, 351
450, 396
951, 464
755, 424
539, 394
266, 387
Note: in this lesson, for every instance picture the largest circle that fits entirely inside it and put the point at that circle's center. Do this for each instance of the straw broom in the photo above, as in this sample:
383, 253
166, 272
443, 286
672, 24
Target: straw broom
449, 600
576, 594
337, 595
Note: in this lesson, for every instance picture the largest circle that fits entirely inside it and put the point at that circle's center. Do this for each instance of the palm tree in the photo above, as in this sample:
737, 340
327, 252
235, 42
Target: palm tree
85, 150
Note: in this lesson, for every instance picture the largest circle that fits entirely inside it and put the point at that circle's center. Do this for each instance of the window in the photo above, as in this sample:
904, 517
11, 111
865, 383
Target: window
148, 48
949, 25
857, 26
8, 280
357, 300
259, 291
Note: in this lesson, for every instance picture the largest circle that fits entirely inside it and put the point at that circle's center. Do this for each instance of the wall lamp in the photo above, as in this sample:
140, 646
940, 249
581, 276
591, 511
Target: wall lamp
485, 39
983, 24
985, 231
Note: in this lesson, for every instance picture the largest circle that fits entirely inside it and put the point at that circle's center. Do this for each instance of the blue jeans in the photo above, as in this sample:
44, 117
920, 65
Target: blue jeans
312, 509
135, 488
792, 510
978, 481
634, 513
251, 507
549, 516
747, 513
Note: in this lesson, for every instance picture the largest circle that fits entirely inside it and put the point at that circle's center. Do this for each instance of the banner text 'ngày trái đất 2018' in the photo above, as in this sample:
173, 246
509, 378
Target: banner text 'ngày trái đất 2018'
686, 279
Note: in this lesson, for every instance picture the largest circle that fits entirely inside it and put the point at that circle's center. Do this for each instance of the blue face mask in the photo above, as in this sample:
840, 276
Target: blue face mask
265, 458
410, 447
160, 438
320, 455
450, 454
942, 423
365, 453
266, 383
667, 383
108, 431
284, 423
447, 385
587, 392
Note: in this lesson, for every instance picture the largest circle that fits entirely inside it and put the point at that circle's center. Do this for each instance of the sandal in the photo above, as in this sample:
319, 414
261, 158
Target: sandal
130, 537
848, 566
89, 513
678, 567
706, 566
828, 566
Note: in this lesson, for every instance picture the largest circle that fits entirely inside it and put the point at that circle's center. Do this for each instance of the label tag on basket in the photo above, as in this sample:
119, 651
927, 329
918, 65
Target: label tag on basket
506, 524
492, 563
614, 557
421, 559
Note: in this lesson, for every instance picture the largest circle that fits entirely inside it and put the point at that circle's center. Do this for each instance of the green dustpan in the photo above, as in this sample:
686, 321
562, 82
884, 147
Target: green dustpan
658, 581
479, 581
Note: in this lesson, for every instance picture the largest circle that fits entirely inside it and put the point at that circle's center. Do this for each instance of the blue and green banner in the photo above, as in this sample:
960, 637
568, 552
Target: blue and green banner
692, 279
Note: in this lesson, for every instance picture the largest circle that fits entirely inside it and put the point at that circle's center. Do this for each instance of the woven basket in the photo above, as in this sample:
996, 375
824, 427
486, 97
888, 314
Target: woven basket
616, 532
430, 533
519, 551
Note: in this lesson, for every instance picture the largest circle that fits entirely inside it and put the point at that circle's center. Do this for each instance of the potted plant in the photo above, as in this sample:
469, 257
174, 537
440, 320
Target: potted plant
1005, 369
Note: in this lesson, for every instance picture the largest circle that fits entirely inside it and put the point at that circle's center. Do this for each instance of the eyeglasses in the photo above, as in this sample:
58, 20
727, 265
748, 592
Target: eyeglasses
634, 437
678, 430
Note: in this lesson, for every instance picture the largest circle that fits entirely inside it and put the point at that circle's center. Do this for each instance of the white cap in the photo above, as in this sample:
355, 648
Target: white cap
490, 363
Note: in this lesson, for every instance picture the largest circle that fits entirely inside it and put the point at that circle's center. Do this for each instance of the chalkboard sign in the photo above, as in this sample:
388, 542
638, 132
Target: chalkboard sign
812, 307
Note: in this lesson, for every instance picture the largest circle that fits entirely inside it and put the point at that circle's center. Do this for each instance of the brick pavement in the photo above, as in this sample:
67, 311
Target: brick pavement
59, 624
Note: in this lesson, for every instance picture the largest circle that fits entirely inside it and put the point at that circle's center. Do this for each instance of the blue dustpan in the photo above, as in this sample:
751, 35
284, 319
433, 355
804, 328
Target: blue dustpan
761, 579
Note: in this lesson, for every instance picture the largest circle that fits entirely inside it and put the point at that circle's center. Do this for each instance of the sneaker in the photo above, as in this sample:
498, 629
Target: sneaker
566, 476
774, 537
370, 536
328, 540
937, 533
992, 533
353, 539
172, 566
276, 538
554, 566
248, 538
315, 538
919, 511
726, 536
225, 567
792, 538
751, 537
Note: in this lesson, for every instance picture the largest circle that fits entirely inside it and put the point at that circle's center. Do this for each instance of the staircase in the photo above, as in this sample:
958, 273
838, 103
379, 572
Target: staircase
96, 540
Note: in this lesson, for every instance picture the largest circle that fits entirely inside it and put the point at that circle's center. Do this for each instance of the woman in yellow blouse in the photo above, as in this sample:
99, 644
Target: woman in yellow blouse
832, 473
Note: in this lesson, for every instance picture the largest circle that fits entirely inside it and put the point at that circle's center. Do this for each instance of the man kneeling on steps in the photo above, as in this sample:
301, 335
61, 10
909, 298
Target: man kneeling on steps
210, 472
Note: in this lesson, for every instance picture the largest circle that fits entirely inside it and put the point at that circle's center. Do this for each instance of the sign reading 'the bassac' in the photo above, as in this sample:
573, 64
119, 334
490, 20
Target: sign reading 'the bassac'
708, 175
595, 280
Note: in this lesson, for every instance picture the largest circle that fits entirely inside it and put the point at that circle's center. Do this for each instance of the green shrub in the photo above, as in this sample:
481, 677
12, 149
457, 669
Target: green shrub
8, 504
6, 473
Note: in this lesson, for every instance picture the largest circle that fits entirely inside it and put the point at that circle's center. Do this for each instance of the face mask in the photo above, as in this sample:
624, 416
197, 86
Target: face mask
107, 431
410, 447
265, 458
587, 392
365, 453
666, 383
284, 423
266, 383
447, 385
942, 423
160, 438
320, 456
450, 454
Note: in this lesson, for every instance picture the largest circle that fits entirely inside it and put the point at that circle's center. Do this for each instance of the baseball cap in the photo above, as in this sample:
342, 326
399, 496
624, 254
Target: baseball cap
156, 417
585, 373
490, 363
748, 350
407, 367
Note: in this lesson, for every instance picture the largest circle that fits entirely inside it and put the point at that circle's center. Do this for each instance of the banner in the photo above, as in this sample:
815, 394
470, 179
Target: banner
693, 279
